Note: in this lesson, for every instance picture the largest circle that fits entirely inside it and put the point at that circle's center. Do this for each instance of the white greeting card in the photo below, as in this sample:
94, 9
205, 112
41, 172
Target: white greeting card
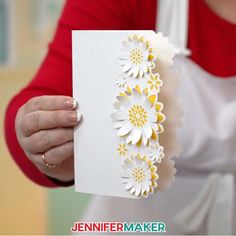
127, 97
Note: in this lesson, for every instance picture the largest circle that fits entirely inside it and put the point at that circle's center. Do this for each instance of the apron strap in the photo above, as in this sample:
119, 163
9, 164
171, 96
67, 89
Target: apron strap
172, 21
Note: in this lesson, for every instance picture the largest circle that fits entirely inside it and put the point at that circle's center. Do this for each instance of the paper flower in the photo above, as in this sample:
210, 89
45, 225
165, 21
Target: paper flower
121, 81
155, 82
139, 176
122, 149
136, 57
138, 117
155, 152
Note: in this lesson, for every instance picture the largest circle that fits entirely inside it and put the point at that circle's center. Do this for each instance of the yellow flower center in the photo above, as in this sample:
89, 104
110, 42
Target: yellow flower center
136, 56
137, 116
138, 174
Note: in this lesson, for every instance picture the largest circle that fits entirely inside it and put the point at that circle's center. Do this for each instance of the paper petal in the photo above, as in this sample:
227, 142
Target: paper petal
138, 190
135, 71
119, 115
119, 124
145, 141
136, 96
147, 104
129, 139
148, 132
126, 174
126, 45
136, 136
127, 66
143, 67
129, 185
132, 190
124, 130
152, 117
124, 101
123, 55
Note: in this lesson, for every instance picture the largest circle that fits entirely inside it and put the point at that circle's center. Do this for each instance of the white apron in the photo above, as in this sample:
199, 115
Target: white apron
202, 200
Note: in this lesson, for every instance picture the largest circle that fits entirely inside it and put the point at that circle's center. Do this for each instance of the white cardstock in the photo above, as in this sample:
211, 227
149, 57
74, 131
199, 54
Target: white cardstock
97, 81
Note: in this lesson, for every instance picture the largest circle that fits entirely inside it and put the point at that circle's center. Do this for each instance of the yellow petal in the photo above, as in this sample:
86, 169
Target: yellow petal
129, 90
159, 106
139, 143
152, 99
160, 128
138, 89
145, 91
151, 57
154, 135
160, 117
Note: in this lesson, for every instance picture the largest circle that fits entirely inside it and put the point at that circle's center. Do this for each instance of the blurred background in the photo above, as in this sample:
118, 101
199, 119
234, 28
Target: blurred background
26, 28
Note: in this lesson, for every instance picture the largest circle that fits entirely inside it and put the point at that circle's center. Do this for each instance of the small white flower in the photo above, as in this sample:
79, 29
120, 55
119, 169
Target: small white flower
139, 176
121, 81
155, 152
136, 57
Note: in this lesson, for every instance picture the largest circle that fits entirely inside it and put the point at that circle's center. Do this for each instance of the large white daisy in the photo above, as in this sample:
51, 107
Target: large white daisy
139, 176
137, 117
136, 57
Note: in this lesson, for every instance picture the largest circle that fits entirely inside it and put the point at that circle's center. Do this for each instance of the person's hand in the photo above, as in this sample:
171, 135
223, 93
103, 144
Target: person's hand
44, 128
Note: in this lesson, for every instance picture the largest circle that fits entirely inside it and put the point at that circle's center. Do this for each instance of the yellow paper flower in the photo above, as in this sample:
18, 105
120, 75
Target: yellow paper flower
139, 176
136, 57
122, 150
155, 82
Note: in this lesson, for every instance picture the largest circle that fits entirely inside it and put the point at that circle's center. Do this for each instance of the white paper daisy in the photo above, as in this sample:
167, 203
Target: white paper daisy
136, 57
139, 176
155, 152
137, 117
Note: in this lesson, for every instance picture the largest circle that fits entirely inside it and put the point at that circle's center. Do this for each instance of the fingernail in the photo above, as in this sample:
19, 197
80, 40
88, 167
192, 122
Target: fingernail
78, 115
71, 103
75, 103
72, 117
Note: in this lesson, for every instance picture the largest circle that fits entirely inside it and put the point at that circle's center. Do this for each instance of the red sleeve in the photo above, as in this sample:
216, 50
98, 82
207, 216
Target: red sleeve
55, 75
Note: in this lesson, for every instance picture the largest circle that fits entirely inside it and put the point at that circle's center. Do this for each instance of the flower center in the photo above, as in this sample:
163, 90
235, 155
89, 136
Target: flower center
138, 175
136, 56
137, 116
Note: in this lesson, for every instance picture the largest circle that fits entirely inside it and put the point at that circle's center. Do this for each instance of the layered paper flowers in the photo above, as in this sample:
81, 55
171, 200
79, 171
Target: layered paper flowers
136, 57
138, 117
139, 175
